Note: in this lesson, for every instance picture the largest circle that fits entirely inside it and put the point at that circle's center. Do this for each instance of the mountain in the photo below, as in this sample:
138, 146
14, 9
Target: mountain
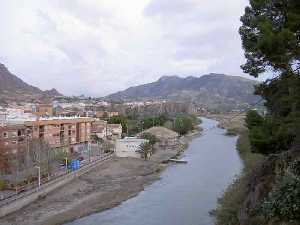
13, 89
53, 92
213, 91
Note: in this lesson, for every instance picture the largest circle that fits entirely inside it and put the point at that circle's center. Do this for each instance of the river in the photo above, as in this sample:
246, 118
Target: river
186, 192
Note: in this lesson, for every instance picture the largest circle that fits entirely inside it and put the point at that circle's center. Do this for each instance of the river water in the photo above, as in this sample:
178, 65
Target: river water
186, 192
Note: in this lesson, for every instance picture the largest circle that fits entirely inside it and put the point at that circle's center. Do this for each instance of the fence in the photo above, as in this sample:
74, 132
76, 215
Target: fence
17, 202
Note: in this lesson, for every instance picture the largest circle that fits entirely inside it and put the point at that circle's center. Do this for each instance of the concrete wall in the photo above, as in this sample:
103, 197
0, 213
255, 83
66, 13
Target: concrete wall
128, 147
22, 200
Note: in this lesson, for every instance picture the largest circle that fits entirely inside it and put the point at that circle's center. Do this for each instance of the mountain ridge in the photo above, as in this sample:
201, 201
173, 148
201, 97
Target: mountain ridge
14, 89
210, 90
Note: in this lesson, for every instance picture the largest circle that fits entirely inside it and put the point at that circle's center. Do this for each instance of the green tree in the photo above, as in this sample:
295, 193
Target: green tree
183, 124
270, 35
150, 137
253, 119
154, 121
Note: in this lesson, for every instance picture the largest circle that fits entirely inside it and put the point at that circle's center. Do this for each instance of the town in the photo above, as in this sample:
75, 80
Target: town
41, 142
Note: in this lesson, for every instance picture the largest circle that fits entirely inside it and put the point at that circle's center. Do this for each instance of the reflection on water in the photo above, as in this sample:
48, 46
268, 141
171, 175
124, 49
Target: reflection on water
187, 192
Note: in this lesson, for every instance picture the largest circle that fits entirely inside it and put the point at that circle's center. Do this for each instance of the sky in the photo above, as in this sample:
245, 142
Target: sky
97, 47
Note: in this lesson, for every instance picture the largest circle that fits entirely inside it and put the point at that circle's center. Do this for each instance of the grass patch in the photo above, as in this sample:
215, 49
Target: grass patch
231, 132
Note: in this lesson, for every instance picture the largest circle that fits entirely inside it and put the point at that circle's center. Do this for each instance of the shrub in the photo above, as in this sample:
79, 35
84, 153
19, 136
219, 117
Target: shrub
283, 201
150, 137
2, 185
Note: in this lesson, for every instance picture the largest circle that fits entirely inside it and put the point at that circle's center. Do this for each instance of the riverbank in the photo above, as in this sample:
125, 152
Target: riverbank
234, 123
104, 187
230, 203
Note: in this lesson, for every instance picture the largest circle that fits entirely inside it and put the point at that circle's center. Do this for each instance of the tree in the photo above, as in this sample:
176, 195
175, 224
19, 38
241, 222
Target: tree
40, 154
253, 119
183, 124
4, 165
150, 137
146, 149
270, 35
154, 121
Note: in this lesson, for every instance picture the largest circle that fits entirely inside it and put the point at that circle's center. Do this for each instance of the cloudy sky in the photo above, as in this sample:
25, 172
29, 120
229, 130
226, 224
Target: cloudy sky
96, 47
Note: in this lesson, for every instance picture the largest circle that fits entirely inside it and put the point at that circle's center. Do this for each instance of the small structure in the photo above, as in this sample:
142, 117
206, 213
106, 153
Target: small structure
99, 128
43, 110
114, 131
129, 147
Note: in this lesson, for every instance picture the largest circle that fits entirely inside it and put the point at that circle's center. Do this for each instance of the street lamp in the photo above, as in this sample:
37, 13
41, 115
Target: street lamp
39, 174
66, 162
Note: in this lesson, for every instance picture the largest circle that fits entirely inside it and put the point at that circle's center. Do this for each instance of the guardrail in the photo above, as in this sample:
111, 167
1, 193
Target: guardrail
18, 201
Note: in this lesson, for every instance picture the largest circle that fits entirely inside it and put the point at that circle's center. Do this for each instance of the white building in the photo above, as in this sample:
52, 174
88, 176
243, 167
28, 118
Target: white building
129, 147
16, 116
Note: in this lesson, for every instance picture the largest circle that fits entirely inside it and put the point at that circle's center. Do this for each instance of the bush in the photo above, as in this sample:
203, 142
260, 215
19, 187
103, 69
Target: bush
2, 185
150, 137
283, 201
231, 132
230, 203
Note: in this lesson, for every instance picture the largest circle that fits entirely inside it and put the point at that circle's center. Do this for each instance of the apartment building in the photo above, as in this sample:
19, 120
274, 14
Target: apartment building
12, 137
61, 132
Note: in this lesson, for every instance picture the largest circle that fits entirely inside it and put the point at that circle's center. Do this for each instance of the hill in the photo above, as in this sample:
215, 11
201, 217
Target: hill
214, 91
13, 89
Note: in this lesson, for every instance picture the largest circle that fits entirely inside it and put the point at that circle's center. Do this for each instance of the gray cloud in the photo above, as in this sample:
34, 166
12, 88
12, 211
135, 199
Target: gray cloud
96, 47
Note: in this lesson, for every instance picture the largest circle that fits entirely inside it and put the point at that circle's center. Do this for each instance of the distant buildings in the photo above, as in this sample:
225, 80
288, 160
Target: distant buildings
105, 114
43, 110
103, 130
